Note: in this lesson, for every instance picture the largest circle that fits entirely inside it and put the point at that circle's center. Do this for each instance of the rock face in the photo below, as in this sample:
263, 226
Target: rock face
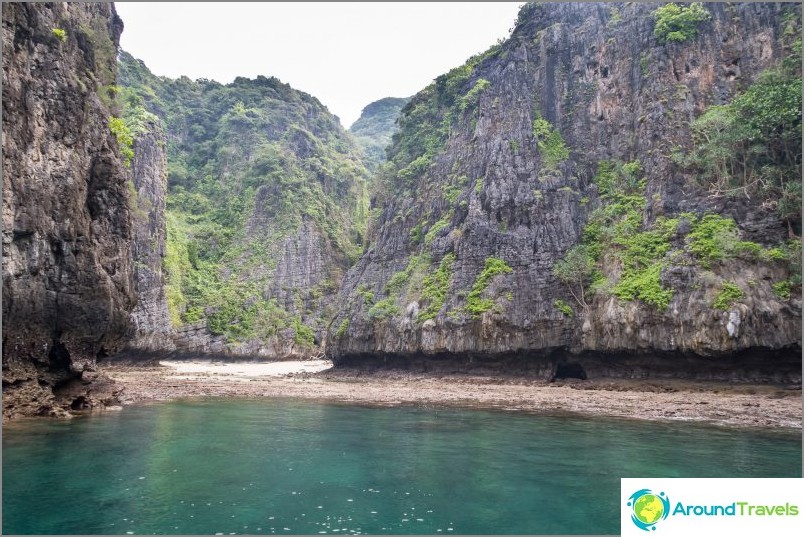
478, 211
68, 284
150, 321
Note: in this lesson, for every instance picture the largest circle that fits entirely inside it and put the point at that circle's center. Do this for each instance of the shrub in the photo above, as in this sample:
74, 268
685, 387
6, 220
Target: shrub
679, 23
574, 271
727, 296
606, 178
712, 238
125, 140
776, 254
397, 281
563, 307
645, 285
366, 295
551, 145
303, 335
176, 265
383, 309
748, 250
615, 180
541, 128
415, 169
748, 146
475, 303
451, 193
782, 289
436, 228
435, 287
633, 173
411, 277
554, 150
794, 249
60, 34
342, 328
416, 233
471, 99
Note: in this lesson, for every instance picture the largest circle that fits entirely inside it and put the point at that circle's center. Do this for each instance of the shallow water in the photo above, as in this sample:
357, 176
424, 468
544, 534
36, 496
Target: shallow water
301, 467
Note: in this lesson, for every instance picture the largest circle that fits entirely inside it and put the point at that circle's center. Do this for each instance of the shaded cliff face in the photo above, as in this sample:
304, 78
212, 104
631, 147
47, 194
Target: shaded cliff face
555, 147
67, 283
267, 205
375, 126
150, 320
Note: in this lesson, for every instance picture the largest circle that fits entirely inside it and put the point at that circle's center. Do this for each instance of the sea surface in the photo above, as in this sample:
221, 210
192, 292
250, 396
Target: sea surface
274, 466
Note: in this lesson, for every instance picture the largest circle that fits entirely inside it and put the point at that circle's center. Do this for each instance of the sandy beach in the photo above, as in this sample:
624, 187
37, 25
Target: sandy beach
671, 400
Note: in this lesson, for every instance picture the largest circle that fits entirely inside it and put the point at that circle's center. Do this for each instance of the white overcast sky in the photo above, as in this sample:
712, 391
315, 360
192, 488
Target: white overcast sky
345, 54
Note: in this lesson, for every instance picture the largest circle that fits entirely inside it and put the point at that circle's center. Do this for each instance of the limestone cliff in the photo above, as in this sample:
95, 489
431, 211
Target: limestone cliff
267, 206
557, 143
150, 321
67, 278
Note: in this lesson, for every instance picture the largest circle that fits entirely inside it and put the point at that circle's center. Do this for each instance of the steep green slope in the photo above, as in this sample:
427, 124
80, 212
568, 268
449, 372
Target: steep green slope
267, 207
605, 186
374, 128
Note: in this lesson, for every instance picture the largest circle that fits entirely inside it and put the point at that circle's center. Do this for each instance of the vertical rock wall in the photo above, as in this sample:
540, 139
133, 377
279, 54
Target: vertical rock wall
68, 281
600, 77
150, 320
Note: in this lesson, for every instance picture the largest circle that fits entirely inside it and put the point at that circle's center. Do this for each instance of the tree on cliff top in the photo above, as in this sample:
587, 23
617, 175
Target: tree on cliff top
678, 23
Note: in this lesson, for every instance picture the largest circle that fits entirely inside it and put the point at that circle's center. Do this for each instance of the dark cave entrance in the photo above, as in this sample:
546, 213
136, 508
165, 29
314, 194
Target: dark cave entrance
59, 357
79, 403
569, 370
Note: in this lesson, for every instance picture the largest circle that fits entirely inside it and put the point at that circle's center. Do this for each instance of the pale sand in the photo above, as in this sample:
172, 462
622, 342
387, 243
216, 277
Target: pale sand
243, 372
718, 403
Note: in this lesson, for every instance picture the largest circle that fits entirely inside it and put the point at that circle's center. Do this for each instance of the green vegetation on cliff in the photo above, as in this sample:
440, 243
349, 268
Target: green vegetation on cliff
727, 296
255, 168
425, 122
374, 128
679, 23
551, 145
435, 287
476, 302
615, 236
575, 269
751, 146
124, 138
60, 34
748, 147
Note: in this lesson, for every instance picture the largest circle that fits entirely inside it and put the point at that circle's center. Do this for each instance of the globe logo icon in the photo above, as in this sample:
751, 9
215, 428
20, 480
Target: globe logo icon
648, 508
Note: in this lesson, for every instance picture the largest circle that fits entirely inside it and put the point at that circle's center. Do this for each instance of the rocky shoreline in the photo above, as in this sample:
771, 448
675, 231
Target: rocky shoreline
736, 405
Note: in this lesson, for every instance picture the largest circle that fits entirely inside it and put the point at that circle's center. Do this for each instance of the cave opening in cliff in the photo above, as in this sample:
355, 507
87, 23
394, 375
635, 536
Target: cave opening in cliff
58, 357
569, 370
79, 403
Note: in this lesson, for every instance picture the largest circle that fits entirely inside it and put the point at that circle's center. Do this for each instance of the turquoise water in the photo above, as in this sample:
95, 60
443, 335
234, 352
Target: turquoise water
296, 467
